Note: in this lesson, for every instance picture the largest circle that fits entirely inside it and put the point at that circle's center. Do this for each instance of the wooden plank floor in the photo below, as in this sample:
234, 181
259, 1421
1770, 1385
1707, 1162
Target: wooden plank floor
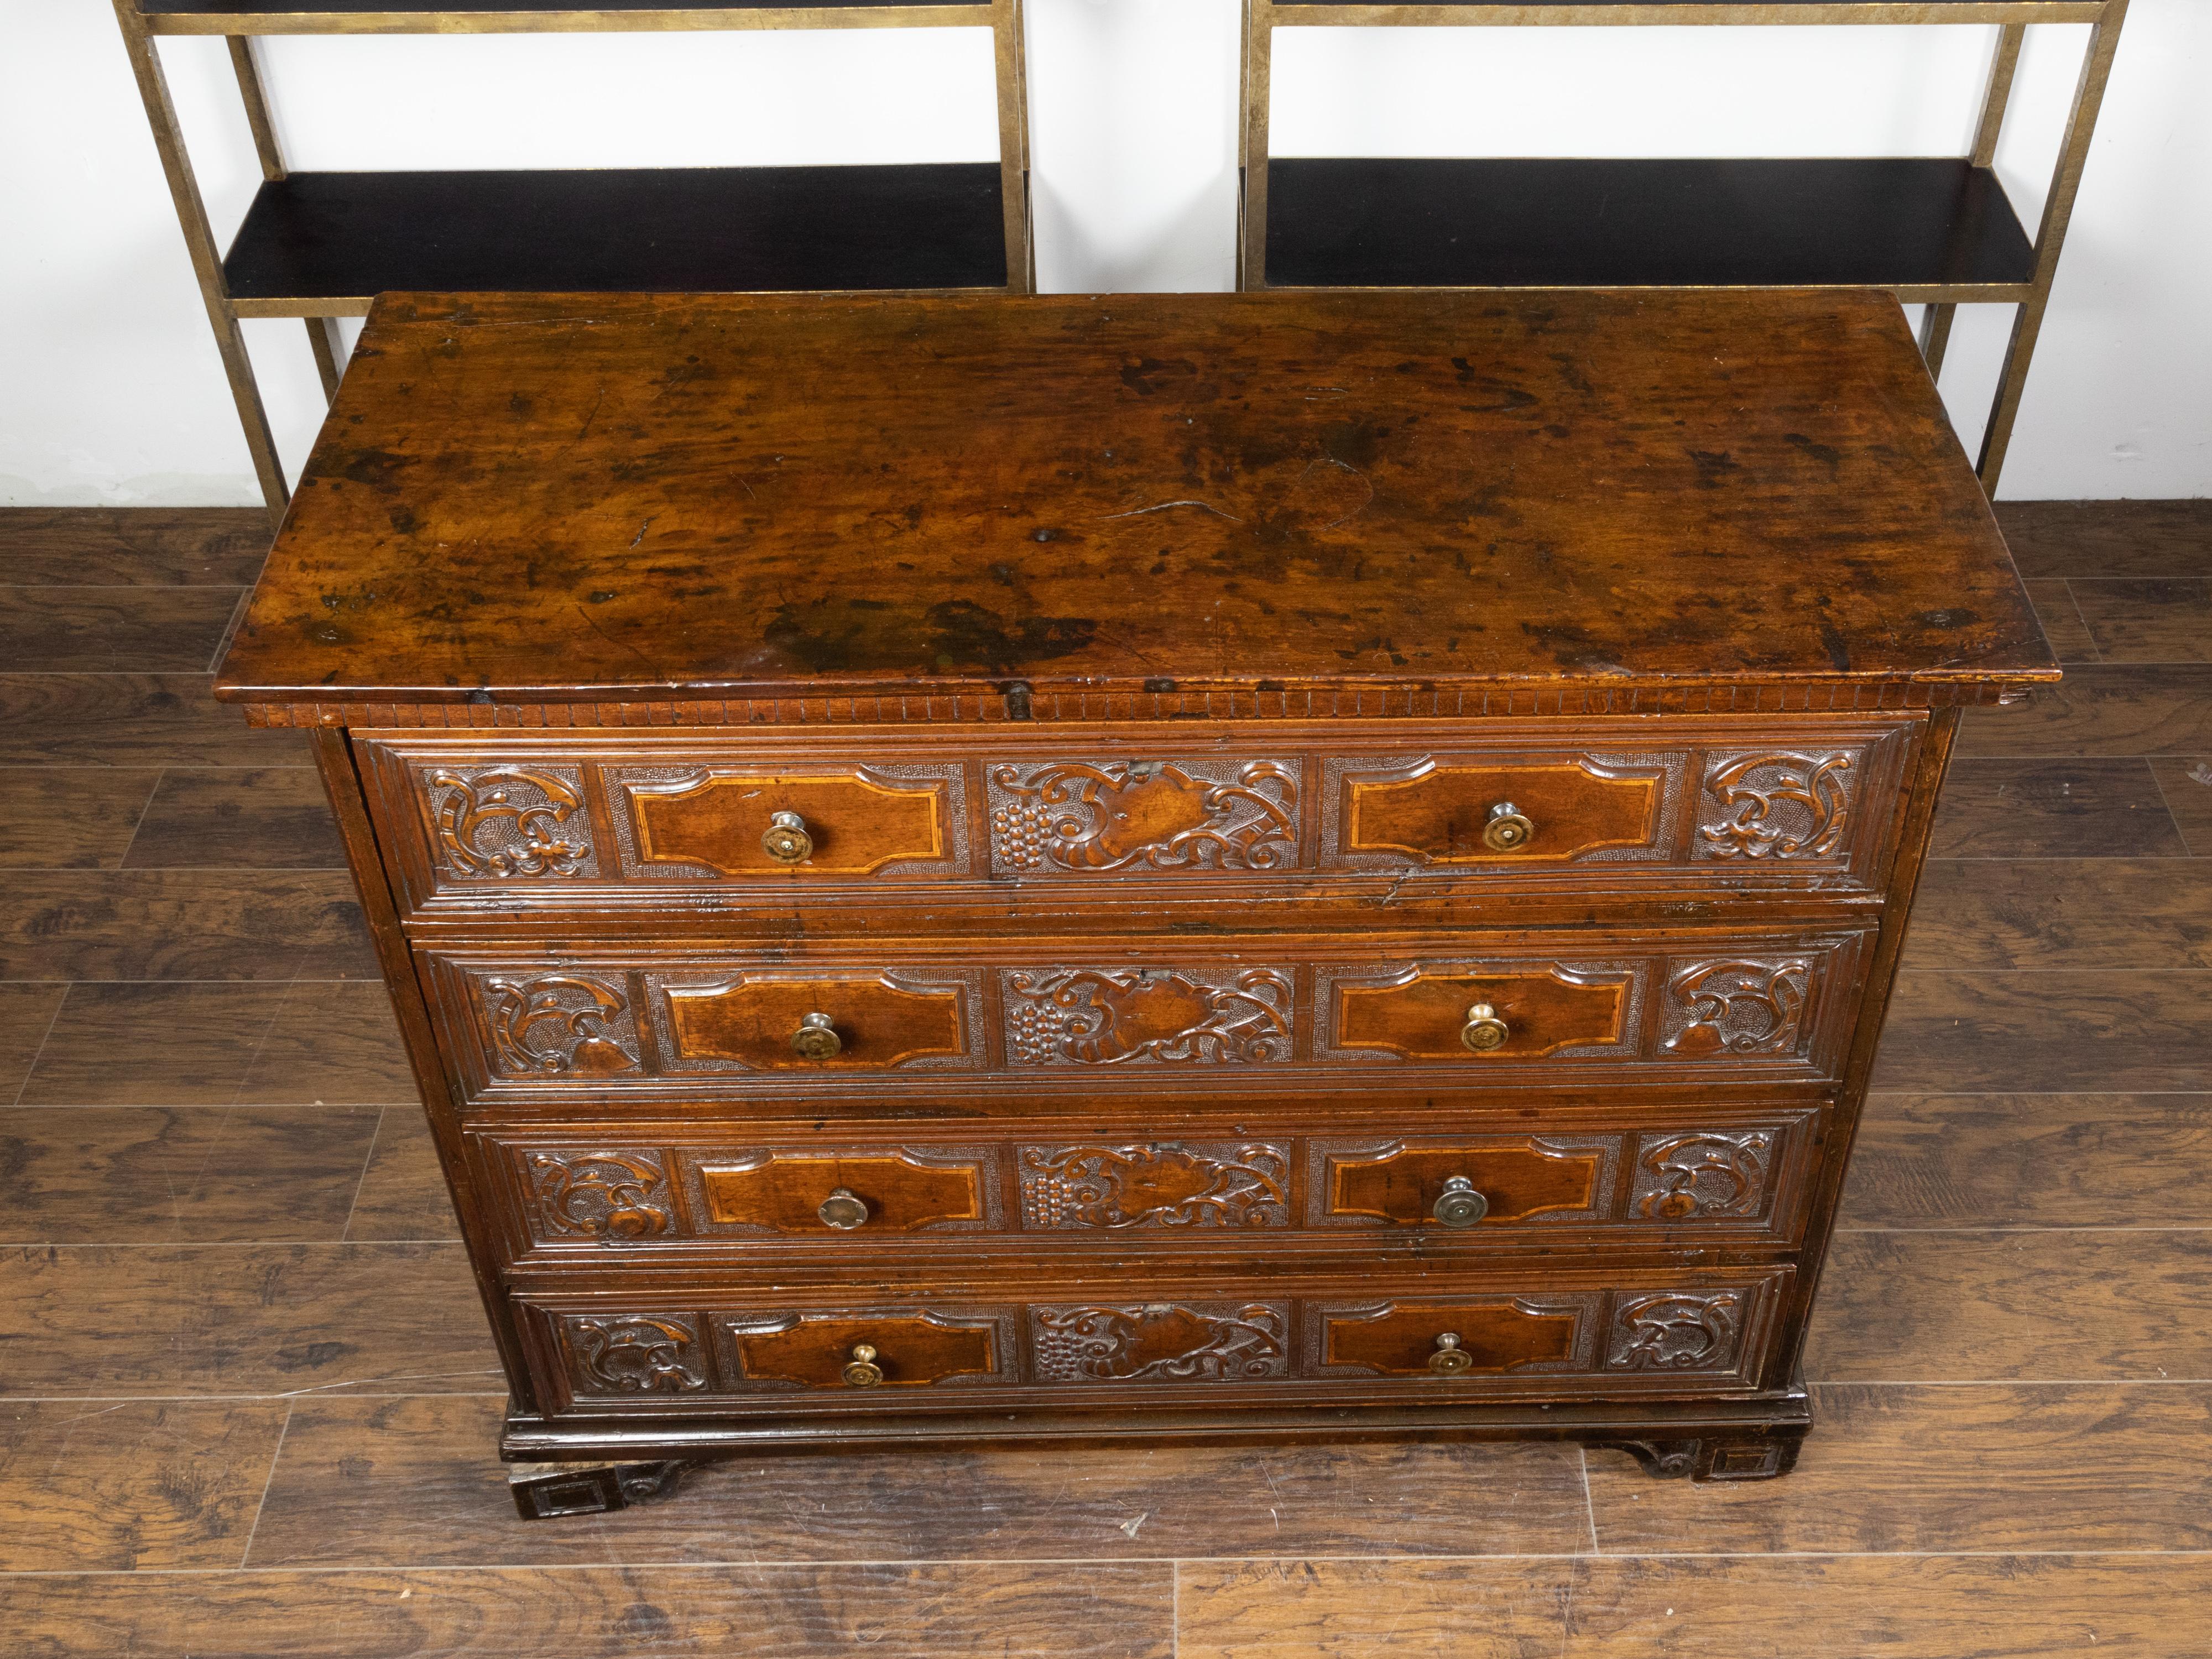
249, 1412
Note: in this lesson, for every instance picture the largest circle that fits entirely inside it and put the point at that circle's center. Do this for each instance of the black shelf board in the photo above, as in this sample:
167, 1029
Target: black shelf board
1887, 222
331, 235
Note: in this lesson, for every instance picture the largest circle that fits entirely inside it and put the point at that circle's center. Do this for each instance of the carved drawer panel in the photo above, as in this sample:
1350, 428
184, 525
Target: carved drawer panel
817, 1020
1529, 809
1636, 1332
1710, 1331
898, 1347
700, 1024
1150, 1186
1062, 818
820, 1193
1678, 1175
721, 820
1470, 1336
560, 821
669, 819
1466, 1181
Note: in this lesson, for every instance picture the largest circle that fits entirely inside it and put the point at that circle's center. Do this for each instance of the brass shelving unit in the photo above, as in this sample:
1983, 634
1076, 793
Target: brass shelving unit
1936, 231
321, 245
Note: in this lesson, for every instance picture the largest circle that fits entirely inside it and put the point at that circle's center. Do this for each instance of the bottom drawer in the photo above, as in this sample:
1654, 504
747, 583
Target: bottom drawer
1562, 1335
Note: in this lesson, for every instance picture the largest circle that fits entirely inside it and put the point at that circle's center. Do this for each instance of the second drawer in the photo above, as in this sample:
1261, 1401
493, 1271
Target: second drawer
1469, 1011
1734, 1176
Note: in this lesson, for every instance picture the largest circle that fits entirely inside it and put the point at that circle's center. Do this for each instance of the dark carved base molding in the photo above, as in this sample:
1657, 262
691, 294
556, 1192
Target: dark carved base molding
541, 1495
1743, 1439
1761, 1457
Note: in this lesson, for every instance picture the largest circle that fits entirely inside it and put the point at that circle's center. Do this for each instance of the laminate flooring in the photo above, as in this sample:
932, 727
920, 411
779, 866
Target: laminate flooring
249, 1408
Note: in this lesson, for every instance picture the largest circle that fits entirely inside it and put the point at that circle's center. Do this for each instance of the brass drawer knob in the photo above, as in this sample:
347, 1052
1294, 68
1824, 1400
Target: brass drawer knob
1448, 1360
843, 1210
786, 841
1509, 829
864, 1373
1483, 1031
1459, 1205
815, 1039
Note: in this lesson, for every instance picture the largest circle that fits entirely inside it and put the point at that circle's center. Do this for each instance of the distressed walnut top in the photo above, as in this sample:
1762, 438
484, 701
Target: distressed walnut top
661, 499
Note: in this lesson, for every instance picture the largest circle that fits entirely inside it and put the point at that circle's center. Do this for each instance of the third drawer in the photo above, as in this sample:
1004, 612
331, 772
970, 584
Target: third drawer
1654, 1178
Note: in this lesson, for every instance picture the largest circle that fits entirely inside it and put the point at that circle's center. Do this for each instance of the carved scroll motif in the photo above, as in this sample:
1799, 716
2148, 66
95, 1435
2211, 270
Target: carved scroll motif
1709, 1176
1779, 805
1098, 1017
657, 1355
601, 1194
1072, 817
1206, 1185
561, 1025
502, 821
1205, 1342
1677, 1331
1736, 1007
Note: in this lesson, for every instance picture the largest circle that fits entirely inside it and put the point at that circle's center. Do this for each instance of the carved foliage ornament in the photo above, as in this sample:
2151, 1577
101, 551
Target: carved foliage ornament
500, 822
1150, 816
1099, 1016
563, 1024
1705, 1176
1677, 1331
1737, 1007
657, 1355
1160, 1342
601, 1194
1206, 1185
1778, 805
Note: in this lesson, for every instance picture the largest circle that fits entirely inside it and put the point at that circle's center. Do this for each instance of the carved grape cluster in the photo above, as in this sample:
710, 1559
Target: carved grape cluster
1060, 1350
1020, 833
1036, 1029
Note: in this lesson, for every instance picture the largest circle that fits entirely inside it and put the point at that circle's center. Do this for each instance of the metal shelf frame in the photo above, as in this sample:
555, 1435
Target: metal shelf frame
2010, 17
144, 21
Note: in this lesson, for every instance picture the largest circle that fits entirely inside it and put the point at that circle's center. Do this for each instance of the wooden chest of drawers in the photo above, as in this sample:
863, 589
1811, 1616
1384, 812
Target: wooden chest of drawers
1253, 866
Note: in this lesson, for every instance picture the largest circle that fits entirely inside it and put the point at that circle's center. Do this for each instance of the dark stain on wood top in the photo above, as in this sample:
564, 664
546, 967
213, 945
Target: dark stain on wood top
638, 498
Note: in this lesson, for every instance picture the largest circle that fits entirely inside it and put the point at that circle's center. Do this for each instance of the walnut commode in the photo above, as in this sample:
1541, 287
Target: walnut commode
1252, 866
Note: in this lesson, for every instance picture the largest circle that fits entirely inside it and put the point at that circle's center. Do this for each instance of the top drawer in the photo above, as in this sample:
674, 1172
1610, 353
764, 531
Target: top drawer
1107, 814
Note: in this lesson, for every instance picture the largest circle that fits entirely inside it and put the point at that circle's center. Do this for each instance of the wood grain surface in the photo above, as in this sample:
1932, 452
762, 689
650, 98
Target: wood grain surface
2109, 538
939, 1610
1969, 1467
2111, 709
1439, 490
2054, 809
1962, 1607
199, 1363
2115, 915
2054, 1160
372, 1481
2186, 787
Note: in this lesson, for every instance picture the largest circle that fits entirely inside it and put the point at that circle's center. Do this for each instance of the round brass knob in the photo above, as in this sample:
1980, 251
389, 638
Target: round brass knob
815, 1039
1483, 1031
1449, 1359
786, 841
843, 1210
1508, 829
1460, 1204
864, 1373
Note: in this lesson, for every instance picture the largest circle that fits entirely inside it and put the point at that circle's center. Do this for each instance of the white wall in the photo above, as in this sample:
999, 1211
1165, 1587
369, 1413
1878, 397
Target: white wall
111, 390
